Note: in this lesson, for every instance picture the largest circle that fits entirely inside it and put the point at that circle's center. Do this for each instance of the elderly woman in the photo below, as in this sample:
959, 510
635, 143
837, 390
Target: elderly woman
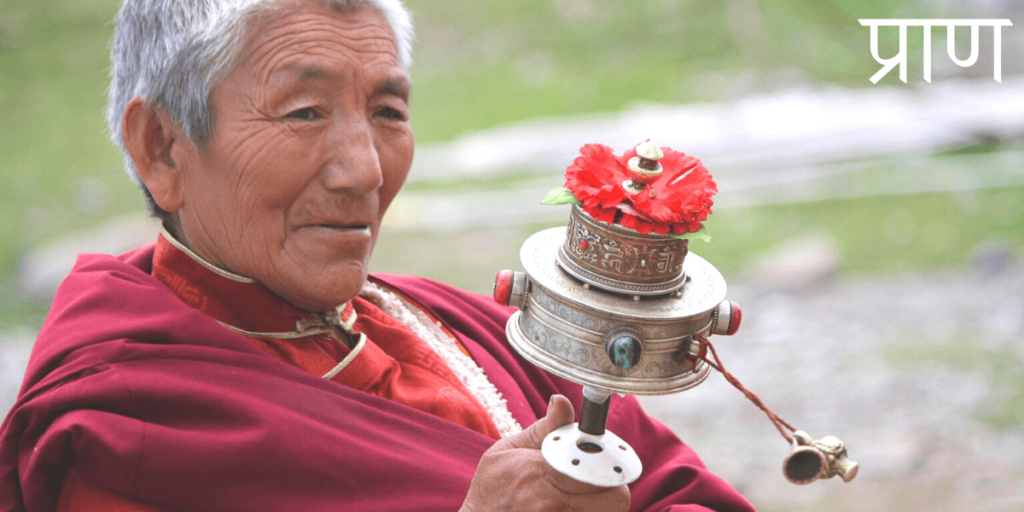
246, 360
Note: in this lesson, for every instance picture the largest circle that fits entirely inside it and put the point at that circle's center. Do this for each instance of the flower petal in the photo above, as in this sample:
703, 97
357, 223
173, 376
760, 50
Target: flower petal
682, 195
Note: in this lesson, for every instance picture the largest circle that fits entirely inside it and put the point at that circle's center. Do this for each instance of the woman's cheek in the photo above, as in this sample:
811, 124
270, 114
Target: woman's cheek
395, 151
285, 168
395, 158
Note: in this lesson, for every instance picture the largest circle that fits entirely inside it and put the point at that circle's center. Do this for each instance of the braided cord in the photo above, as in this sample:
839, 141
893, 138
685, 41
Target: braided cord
717, 365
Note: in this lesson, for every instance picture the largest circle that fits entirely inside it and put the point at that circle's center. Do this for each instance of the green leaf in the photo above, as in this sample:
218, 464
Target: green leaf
560, 195
700, 234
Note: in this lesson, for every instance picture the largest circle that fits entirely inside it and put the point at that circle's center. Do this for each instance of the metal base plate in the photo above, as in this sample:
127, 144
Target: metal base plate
604, 461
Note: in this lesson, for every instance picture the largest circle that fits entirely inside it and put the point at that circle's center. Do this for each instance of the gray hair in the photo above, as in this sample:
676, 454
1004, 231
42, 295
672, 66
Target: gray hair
172, 52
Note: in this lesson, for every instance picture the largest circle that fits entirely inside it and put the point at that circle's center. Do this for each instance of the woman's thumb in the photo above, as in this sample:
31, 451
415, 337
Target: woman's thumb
559, 413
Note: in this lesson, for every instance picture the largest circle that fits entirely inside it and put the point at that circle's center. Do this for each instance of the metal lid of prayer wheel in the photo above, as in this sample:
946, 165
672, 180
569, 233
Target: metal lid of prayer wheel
619, 259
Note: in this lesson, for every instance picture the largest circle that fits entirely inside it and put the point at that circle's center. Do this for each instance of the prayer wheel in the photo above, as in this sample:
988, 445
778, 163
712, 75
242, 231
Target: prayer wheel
620, 311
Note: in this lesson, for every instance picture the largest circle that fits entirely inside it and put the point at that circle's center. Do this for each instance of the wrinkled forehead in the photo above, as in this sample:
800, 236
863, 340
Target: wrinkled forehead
312, 40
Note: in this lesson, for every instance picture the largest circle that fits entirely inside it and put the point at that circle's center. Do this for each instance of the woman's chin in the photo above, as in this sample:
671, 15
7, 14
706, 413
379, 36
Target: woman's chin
322, 291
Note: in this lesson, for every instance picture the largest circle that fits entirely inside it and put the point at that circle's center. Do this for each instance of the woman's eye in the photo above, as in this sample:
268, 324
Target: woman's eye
304, 114
389, 113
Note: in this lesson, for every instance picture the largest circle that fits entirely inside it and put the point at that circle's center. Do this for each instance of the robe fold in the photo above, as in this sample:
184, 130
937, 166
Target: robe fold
147, 398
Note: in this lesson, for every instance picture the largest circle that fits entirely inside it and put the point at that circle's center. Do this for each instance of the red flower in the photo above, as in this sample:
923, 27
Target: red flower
682, 195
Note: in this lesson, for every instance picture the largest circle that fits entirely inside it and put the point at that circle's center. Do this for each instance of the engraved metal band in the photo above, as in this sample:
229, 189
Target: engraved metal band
634, 386
614, 285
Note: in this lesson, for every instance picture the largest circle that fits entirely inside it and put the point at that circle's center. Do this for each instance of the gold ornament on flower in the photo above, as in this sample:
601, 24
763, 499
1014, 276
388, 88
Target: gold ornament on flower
644, 168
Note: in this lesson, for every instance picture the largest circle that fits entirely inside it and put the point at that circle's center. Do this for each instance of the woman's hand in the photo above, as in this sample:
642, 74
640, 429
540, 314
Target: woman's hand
513, 475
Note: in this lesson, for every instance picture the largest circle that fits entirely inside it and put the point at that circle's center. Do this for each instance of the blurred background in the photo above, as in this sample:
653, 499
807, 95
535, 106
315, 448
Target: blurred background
874, 234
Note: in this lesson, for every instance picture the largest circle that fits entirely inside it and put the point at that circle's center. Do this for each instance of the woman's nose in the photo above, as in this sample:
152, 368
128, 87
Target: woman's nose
354, 164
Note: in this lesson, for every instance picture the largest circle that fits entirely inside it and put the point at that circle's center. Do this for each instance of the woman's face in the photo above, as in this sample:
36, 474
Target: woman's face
310, 143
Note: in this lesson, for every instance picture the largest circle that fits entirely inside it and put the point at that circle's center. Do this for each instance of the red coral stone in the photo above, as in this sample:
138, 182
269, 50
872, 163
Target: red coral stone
735, 318
584, 245
503, 287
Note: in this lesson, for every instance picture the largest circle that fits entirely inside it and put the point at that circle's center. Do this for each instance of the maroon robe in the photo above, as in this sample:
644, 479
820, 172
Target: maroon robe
150, 399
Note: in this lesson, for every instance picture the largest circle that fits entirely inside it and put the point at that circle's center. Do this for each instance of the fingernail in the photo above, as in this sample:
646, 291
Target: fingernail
551, 402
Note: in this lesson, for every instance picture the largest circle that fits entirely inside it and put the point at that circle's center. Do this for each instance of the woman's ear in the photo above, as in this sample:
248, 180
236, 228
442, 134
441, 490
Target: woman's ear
149, 134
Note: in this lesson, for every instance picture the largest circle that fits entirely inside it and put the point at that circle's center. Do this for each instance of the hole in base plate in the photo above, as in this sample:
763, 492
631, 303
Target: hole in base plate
623, 448
556, 438
590, 447
575, 462
617, 469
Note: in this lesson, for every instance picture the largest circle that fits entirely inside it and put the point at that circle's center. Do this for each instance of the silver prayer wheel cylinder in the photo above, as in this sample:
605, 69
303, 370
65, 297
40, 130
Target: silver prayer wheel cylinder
574, 328
619, 259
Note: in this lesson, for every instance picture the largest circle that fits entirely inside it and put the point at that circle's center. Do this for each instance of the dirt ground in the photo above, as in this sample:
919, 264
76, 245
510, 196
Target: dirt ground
920, 375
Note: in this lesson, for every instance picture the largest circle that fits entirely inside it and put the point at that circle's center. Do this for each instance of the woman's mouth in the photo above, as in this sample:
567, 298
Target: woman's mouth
342, 229
349, 227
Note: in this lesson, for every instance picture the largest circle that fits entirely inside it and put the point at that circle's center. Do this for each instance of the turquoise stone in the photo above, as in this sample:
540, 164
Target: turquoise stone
624, 351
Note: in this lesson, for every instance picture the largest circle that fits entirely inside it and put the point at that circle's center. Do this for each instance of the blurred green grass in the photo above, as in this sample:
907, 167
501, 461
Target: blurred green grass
483, 63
